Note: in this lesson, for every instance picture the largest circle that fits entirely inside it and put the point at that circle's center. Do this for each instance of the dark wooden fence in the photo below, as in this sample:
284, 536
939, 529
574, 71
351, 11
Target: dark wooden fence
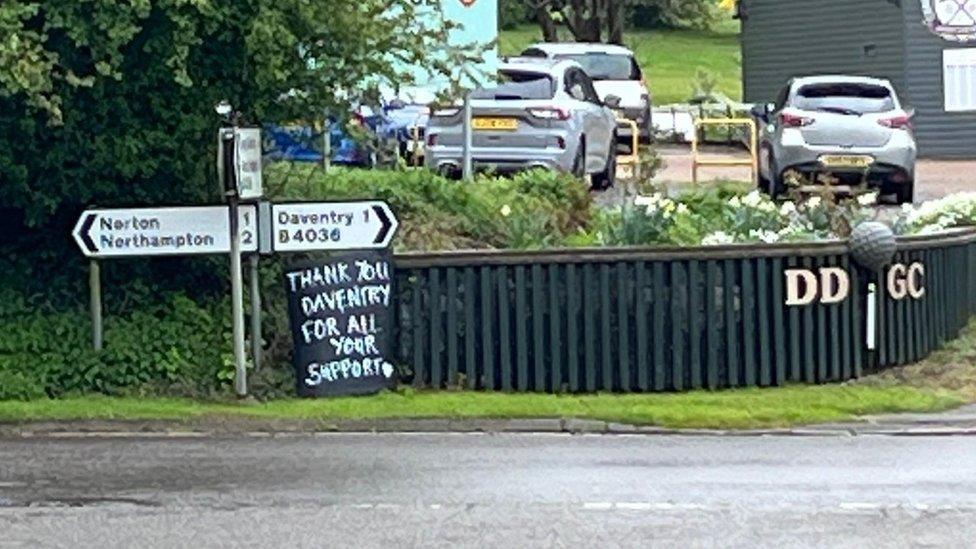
661, 319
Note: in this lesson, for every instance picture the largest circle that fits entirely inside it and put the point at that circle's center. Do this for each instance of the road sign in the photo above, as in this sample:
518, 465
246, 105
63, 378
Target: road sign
246, 160
249, 181
163, 231
312, 226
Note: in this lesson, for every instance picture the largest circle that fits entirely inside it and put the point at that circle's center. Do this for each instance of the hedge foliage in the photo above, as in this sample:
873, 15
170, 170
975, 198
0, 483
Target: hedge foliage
168, 321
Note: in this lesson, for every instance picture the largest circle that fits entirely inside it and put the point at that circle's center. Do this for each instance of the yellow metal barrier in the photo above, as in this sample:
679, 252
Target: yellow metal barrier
632, 159
752, 161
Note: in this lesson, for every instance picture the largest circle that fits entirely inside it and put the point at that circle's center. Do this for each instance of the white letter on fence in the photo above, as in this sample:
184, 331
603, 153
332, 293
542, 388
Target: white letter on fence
841, 287
916, 286
896, 282
793, 297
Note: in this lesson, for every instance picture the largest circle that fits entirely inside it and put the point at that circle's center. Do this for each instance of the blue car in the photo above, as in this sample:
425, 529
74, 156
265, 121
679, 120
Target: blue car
301, 143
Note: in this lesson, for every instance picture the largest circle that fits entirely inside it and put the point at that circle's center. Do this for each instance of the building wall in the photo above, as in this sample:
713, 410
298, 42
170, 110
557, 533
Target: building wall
939, 133
786, 38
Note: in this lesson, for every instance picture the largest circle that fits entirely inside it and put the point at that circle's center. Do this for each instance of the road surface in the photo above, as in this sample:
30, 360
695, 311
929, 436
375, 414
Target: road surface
478, 490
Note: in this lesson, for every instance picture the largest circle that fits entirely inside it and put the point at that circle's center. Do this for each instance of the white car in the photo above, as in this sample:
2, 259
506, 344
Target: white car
614, 72
544, 114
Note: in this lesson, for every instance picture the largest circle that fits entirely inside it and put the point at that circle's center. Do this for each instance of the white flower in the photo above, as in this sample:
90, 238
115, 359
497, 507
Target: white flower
813, 202
869, 199
752, 199
506, 211
931, 229
768, 237
718, 238
735, 202
682, 209
787, 209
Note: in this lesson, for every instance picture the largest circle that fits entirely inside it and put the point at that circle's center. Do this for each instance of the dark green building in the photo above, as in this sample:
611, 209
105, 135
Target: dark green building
927, 48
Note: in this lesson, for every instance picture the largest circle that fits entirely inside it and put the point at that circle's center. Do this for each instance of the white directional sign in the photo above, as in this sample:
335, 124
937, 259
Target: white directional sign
311, 226
163, 231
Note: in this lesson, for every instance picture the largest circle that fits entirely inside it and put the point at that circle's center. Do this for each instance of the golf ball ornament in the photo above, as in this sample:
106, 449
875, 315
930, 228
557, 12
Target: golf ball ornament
873, 245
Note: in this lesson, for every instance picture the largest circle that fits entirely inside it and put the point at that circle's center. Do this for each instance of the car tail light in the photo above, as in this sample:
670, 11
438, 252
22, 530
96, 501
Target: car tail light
550, 113
900, 122
791, 120
431, 139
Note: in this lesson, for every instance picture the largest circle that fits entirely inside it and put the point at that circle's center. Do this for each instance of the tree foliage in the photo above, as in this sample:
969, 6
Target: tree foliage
111, 101
605, 20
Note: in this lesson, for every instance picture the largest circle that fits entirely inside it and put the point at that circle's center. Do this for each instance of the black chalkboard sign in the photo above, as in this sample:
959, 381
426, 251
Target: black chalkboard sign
341, 323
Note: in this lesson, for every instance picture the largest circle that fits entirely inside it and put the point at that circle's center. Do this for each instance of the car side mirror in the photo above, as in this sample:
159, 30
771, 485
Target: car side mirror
612, 101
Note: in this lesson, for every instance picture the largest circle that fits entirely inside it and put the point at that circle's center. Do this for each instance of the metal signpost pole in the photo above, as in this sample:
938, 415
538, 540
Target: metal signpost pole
236, 282
95, 296
255, 312
466, 152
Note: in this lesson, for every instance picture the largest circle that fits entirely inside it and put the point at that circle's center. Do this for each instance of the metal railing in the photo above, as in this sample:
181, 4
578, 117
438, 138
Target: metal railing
753, 161
632, 159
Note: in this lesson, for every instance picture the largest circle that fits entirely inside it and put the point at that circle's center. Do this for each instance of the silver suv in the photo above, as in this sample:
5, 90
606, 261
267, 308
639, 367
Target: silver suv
614, 71
838, 130
544, 114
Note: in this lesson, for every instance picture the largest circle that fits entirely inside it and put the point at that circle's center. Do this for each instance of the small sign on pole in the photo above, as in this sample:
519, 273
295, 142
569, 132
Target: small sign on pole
246, 161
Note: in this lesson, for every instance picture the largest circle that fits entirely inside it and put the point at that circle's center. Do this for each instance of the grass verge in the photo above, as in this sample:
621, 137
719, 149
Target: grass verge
670, 58
738, 409
952, 368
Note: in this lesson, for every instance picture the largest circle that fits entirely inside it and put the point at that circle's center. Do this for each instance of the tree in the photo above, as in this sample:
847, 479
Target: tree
604, 20
111, 101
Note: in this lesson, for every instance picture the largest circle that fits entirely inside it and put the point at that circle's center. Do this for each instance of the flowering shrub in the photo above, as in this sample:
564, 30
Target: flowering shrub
712, 220
957, 210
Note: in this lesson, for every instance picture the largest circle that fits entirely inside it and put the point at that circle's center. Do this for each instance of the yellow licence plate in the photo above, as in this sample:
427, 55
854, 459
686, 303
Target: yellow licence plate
502, 124
846, 160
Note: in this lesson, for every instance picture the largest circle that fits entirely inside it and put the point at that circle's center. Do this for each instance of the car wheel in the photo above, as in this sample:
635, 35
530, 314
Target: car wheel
906, 192
605, 179
772, 185
579, 161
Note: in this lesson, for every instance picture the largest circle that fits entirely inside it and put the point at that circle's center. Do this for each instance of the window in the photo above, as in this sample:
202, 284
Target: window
959, 79
783, 96
588, 89
845, 98
571, 80
520, 77
606, 66
533, 52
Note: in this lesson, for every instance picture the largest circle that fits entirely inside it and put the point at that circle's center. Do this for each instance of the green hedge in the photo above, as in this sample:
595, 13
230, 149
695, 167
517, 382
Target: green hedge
530, 210
175, 346
167, 320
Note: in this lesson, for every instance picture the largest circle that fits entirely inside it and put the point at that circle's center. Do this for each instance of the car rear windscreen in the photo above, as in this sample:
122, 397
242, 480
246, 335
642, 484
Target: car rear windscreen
606, 66
845, 98
529, 89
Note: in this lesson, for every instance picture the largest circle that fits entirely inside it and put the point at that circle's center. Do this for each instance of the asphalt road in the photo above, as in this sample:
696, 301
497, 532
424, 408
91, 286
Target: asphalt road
418, 490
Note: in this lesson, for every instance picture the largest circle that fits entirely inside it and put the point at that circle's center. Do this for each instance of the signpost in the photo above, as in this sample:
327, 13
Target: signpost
339, 308
188, 230
319, 226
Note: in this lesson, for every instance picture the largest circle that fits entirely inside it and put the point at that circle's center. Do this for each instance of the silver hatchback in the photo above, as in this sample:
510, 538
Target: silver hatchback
847, 130
544, 114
